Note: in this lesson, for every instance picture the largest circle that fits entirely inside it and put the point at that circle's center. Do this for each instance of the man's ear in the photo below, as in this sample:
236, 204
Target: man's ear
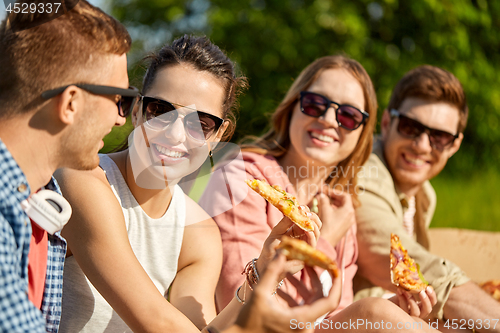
71, 101
456, 145
385, 124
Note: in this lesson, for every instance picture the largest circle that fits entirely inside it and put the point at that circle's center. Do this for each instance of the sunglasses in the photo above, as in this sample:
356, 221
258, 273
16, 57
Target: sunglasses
125, 103
198, 125
412, 129
316, 105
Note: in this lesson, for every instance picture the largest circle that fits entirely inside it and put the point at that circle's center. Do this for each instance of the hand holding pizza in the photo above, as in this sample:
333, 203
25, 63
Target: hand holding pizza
336, 211
406, 275
287, 228
298, 222
262, 314
416, 308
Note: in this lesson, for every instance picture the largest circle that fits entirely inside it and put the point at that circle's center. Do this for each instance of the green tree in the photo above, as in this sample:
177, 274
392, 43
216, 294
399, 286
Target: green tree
273, 40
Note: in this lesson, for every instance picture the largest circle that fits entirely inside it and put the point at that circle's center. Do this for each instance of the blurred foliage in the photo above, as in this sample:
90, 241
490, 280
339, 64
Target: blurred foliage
273, 40
468, 202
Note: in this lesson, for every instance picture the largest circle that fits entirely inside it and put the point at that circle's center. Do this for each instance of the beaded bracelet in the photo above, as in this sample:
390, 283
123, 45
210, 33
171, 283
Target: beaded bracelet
252, 276
278, 287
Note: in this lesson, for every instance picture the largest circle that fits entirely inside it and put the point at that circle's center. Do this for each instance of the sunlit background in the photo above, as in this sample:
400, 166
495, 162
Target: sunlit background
273, 40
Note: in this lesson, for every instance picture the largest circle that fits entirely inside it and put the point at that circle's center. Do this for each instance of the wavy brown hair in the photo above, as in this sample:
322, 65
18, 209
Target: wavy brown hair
277, 140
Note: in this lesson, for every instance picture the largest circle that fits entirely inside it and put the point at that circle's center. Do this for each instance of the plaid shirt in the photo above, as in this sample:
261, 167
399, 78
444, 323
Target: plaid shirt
17, 313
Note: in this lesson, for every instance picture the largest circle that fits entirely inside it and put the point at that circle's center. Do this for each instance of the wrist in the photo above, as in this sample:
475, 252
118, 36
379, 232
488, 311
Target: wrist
235, 329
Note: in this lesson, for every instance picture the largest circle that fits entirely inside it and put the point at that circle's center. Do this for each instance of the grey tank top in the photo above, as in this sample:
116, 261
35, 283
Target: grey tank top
156, 244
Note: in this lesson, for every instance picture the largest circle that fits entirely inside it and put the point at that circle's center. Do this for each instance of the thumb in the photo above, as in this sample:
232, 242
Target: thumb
282, 227
323, 200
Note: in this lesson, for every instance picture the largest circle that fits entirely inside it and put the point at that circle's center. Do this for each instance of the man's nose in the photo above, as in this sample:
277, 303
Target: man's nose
423, 142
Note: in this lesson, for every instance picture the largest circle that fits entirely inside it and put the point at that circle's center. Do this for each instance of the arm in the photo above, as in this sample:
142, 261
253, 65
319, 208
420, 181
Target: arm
98, 239
467, 302
17, 313
200, 260
262, 314
376, 220
244, 228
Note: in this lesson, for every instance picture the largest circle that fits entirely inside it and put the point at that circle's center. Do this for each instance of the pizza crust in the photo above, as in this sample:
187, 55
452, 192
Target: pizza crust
295, 249
493, 288
284, 201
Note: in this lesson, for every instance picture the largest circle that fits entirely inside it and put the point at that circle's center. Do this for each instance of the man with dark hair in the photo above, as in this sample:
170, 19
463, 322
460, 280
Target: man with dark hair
421, 129
63, 86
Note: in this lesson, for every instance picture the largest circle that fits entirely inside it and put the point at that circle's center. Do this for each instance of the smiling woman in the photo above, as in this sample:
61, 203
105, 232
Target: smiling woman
324, 123
134, 235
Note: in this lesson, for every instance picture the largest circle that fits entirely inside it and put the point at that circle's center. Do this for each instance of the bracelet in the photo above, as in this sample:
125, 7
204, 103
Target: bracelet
255, 269
251, 273
212, 330
278, 287
242, 301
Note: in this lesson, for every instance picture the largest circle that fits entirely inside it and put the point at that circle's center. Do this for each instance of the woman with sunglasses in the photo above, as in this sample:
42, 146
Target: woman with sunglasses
135, 239
321, 136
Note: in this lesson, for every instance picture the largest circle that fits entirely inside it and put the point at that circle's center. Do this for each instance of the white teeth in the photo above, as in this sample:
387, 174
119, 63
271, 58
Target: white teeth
416, 161
168, 152
322, 137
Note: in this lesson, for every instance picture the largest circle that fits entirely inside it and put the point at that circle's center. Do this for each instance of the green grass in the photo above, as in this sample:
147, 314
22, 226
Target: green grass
471, 202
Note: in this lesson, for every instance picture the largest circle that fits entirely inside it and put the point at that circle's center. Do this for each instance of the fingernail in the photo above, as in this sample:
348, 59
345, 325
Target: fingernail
423, 294
309, 214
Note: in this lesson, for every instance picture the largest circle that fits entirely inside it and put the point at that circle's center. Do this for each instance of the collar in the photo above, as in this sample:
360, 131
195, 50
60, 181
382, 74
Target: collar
12, 178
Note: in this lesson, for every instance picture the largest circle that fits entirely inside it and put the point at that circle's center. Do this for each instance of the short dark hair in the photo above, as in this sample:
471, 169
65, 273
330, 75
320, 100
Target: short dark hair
433, 84
203, 55
58, 52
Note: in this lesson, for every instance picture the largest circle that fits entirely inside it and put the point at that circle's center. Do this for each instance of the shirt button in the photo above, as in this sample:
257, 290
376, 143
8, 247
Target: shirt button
22, 187
404, 203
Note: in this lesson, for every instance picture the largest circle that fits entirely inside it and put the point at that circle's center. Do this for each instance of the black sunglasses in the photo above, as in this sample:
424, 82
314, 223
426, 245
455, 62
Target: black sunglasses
410, 128
316, 105
125, 104
199, 125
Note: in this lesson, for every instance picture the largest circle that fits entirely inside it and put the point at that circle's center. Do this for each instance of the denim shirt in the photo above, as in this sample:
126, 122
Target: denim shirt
17, 313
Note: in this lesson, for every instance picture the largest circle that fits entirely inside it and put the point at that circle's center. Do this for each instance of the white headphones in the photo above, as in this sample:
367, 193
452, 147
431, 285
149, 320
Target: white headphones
48, 209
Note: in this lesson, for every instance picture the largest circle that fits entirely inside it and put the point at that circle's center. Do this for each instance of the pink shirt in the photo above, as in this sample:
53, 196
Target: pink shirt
245, 226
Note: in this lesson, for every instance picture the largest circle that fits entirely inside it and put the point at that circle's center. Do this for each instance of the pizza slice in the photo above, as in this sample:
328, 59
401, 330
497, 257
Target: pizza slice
405, 272
284, 201
493, 288
295, 249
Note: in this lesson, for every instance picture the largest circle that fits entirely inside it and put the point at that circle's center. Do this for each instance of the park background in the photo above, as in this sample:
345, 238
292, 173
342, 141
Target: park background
273, 40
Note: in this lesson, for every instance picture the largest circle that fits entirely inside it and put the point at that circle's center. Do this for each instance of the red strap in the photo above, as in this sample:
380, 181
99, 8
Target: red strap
37, 264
